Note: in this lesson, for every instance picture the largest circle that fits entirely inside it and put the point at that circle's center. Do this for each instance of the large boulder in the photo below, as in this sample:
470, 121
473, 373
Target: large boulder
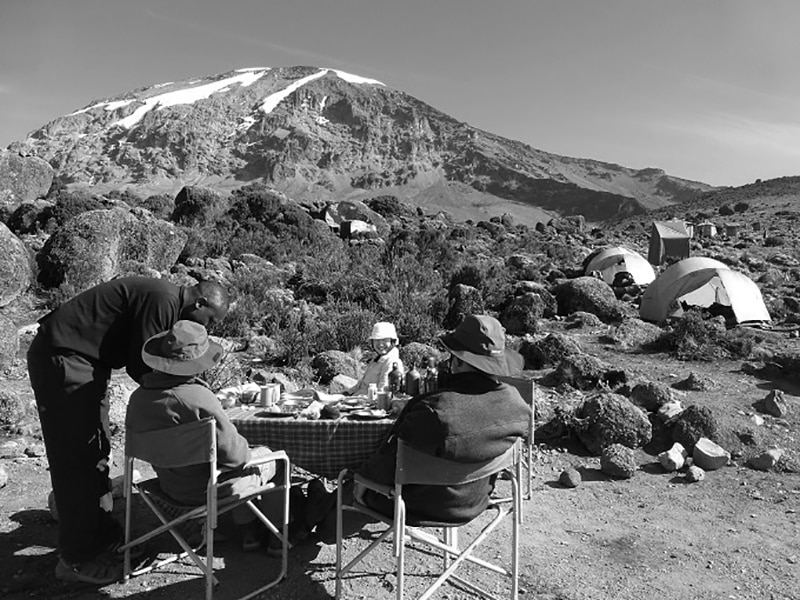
23, 178
15, 267
198, 206
99, 245
606, 418
522, 313
588, 294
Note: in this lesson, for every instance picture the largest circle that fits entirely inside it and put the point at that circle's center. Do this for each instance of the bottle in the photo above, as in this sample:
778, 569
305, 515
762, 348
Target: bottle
396, 380
412, 382
431, 376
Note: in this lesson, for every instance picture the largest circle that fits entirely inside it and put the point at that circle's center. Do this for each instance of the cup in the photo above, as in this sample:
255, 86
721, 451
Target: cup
270, 394
384, 401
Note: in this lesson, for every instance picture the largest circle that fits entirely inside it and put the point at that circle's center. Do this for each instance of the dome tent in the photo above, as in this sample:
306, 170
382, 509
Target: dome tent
617, 260
702, 281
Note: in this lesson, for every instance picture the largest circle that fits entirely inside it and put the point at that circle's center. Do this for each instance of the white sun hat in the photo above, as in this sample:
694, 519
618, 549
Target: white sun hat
382, 331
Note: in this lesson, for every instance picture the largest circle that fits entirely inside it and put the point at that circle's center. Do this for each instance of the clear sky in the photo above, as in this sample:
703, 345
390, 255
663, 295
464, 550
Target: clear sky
705, 89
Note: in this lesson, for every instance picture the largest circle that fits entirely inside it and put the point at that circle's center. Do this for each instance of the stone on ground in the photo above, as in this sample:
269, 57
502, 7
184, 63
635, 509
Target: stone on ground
709, 455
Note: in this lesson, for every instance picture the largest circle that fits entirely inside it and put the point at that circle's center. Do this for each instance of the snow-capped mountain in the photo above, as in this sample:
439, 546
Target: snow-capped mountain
323, 134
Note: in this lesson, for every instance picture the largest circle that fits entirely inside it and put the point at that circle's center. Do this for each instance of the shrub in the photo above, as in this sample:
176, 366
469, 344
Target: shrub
161, 205
693, 338
68, 205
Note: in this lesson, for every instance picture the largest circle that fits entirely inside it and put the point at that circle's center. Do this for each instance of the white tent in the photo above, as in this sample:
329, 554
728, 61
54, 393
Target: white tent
616, 260
701, 281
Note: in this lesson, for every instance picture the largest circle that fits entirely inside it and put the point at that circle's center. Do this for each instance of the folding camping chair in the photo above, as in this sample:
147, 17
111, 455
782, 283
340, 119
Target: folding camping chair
180, 446
416, 467
526, 389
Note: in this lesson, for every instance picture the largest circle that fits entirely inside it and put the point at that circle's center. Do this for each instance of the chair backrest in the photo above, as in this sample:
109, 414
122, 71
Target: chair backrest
178, 446
525, 387
417, 467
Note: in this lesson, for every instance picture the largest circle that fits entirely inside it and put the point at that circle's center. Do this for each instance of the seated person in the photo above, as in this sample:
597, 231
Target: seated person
473, 418
384, 342
173, 395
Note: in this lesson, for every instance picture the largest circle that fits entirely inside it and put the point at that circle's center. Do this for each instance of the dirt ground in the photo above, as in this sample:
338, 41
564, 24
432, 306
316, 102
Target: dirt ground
735, 535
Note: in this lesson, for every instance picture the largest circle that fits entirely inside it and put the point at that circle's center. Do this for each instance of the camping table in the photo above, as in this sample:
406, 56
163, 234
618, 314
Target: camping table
323, 447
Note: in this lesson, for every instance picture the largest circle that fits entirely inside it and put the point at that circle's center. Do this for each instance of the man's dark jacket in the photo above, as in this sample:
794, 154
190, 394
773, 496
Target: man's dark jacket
474, 419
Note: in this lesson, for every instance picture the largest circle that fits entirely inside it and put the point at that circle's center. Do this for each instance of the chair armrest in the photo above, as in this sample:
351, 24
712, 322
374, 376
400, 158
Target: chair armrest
386, 490
272, 456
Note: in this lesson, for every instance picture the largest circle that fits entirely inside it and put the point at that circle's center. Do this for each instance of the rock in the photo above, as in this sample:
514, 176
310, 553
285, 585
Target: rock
23, 178
581, 319
98, 245
692, 424
651, 395
674, 458
9, 343
3, 477
546, 299
670, 411
329, 364
774, 404
634, 333
13, 408
617, 460
549, 351
695, 383
570, 478
709, 456
198, 206
16, 273
521, 314
10, 449
606, 419
695, 474
585, 372
766, 460
340, 383
35, 450
757, 420
590, 295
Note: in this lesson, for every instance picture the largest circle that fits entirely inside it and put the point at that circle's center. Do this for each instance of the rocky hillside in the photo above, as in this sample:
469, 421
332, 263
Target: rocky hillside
321, 134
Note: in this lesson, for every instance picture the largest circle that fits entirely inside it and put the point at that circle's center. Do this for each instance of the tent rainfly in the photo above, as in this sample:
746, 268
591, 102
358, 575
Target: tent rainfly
668, 239
702, 281
617, 260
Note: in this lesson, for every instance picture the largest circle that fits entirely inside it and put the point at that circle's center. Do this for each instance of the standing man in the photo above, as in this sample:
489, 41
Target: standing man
69, 363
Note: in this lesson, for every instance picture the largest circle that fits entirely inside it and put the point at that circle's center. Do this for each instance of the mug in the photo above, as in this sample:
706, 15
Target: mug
270, 394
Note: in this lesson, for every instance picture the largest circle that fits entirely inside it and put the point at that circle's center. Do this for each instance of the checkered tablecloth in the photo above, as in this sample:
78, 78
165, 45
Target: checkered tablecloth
323, 447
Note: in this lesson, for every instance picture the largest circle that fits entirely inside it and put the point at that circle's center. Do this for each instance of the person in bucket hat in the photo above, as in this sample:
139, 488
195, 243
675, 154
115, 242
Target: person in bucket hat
173, 394
480, 341
384, 342
473, 417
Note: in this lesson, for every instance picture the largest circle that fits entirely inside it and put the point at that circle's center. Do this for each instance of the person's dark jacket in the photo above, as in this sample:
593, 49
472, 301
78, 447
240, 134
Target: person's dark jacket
474, 419
109, 323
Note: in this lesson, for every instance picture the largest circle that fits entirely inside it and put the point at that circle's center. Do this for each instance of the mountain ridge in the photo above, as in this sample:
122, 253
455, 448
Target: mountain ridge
328, 135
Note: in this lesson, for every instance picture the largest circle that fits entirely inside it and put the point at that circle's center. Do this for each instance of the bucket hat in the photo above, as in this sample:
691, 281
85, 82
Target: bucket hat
382, 331
480, 341
184, 349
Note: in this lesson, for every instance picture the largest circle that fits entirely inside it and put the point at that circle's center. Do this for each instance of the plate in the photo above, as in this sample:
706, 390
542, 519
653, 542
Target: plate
372, 414
271, 414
